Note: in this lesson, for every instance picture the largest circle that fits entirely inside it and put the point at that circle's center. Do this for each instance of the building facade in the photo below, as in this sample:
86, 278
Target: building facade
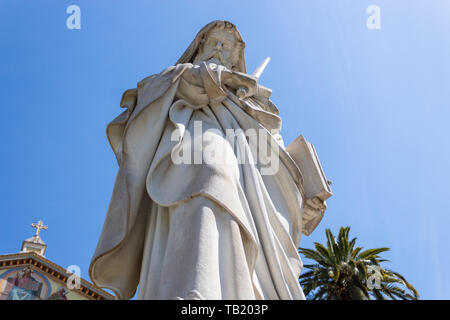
28, 275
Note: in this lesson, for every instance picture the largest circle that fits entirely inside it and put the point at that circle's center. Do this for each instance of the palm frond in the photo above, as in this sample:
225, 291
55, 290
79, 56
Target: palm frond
340, 272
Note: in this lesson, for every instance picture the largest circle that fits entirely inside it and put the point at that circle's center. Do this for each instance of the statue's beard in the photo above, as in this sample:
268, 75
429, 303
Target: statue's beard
217, 58
217, 55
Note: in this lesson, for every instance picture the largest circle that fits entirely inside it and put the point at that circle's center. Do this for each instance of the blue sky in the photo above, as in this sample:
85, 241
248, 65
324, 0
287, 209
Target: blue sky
375, 103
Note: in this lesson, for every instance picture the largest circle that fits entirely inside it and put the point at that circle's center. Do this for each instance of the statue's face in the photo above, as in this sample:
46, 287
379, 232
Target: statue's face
220, 47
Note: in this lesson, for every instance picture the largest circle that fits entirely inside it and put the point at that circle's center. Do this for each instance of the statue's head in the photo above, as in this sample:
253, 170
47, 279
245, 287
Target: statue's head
219, 42
221, 45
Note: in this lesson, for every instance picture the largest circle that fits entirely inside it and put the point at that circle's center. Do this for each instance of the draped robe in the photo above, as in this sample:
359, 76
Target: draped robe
198, 231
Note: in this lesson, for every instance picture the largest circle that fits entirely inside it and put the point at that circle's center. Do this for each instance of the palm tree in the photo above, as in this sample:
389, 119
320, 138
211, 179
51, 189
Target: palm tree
343, 272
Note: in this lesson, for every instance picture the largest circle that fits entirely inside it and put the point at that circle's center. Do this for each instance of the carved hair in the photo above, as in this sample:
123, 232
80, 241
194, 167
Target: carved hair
193, 49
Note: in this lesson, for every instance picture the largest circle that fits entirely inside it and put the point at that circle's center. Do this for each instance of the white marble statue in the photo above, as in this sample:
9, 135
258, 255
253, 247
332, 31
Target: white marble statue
194, 213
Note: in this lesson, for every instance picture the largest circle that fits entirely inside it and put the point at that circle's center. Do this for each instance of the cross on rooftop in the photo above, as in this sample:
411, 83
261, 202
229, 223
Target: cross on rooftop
39, 226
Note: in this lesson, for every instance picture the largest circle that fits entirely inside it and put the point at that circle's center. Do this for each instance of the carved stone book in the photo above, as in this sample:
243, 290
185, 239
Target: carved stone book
315, 183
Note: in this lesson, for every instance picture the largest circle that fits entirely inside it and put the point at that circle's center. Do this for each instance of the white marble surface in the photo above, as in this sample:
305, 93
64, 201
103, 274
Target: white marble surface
210, 230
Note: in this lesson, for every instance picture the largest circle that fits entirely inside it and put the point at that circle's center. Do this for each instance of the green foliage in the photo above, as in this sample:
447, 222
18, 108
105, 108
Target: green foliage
344, 272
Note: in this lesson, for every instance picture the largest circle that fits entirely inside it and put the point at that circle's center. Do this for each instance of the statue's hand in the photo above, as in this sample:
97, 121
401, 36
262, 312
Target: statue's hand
244, 84
192, 75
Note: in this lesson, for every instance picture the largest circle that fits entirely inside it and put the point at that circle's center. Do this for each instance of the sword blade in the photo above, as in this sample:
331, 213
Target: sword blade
261, 68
